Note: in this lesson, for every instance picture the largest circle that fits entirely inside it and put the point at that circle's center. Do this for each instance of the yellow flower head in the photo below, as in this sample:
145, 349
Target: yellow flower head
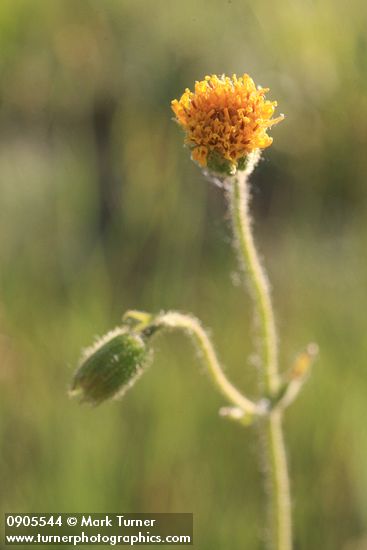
225, 119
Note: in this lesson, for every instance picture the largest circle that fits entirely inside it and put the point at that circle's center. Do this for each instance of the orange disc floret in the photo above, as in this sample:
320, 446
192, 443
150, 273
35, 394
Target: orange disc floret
226, 117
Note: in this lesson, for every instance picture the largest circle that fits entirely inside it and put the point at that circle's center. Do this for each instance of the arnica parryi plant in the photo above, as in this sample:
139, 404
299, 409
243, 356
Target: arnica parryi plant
225, 121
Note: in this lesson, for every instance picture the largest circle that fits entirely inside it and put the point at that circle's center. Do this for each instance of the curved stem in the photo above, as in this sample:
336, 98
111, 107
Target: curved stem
193, 327
239, 200
272, 425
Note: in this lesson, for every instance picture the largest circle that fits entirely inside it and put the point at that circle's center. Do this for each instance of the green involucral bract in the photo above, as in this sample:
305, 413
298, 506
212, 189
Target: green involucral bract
242, 163
216, 163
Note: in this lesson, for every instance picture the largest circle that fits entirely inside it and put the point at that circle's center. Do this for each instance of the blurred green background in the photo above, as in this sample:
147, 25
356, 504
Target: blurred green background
102, 210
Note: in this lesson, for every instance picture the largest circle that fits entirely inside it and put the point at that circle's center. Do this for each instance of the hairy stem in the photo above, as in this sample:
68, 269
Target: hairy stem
271, 426
191, 325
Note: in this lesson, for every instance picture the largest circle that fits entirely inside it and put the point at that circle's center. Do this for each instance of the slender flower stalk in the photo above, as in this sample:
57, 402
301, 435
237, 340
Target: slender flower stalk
276, 467
193, 327
239, 199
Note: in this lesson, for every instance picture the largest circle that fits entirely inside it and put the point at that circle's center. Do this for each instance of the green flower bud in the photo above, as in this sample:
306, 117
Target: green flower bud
110, 367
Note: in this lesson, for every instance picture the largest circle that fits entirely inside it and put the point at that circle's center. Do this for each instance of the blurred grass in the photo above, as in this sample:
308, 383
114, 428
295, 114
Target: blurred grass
102, 210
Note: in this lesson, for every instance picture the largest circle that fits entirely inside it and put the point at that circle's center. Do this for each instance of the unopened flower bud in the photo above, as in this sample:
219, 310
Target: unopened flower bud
110, 366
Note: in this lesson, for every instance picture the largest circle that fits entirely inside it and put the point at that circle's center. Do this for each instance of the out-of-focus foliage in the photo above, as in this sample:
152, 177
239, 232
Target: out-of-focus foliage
102, 210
